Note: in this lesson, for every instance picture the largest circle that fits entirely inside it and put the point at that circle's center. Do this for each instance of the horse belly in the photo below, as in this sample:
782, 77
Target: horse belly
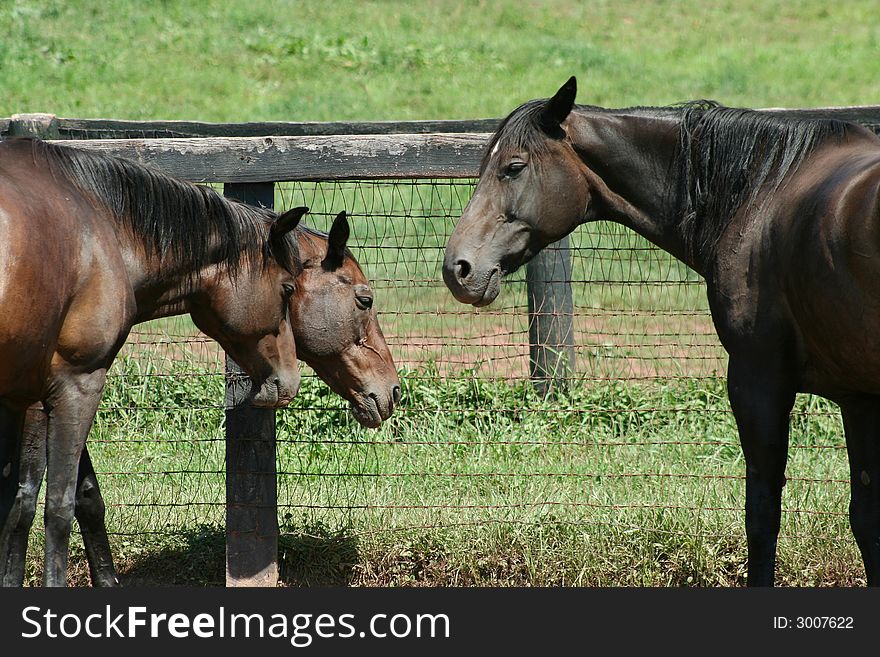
838, 320
841, 352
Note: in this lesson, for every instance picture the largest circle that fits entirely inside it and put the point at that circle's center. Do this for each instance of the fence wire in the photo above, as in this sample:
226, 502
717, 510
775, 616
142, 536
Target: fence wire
643, 442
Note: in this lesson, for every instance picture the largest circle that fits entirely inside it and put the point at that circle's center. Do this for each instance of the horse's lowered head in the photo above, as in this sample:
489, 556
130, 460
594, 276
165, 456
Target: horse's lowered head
526, 198
336, 329
248, 314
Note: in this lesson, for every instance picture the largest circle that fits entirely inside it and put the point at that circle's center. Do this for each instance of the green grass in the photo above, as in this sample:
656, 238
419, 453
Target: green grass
312, 60
511, 489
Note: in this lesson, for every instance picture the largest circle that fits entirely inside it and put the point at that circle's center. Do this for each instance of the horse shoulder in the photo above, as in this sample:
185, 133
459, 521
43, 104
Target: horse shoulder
37, 275
825, 254
834, 222
102, 308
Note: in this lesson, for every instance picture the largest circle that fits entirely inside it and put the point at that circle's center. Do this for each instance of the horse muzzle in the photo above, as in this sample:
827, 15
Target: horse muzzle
469, 285
372, 408
275, 392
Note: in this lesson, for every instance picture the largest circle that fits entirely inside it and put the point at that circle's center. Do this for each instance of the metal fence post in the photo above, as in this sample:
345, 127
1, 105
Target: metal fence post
251, 485
551, 312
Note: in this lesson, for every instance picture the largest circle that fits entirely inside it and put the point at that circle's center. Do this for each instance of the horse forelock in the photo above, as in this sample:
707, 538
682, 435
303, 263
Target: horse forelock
307, 231
520, 131
176, 221
286, 252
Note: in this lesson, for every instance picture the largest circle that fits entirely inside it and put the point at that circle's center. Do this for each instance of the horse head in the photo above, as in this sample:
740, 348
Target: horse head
527, 197
336, 329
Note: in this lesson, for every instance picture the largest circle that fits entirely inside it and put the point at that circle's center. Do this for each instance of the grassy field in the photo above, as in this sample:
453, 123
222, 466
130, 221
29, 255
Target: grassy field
312, 60
633, 476
511, 490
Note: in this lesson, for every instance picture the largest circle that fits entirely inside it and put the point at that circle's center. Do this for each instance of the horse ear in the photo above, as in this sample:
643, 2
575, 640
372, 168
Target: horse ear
336, 240
286, 222
559, 107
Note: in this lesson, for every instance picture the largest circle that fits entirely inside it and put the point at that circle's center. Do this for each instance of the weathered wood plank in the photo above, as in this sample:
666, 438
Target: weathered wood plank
330, 156
73, 128
76, 128
866, 114
275, 159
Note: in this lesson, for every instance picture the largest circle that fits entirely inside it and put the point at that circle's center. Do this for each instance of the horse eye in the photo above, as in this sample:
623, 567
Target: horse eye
514, 169
287, 289
364, 302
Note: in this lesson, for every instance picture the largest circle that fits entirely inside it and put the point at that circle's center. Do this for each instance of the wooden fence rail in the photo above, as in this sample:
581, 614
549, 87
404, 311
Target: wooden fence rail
74, 128
249, 158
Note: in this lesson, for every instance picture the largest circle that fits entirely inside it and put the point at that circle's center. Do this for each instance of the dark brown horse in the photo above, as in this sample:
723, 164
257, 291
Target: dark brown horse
89, 246
780, 215
336, 332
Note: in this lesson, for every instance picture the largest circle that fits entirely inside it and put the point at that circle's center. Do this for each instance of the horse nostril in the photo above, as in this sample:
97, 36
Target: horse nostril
395, 394
462, 269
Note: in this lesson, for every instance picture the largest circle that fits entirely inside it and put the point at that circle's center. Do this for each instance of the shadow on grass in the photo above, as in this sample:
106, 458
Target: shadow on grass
314, 555
307, 556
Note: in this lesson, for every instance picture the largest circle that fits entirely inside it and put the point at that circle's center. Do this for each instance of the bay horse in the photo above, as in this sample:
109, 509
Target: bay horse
781, 217
89, 246
337, 334
335, 326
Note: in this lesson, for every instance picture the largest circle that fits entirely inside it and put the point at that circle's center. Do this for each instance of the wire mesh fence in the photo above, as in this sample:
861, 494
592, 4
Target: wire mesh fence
638, 456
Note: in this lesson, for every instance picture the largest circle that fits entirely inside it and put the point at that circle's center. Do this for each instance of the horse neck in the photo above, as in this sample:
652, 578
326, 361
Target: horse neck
165, 296
164, 289
632, 156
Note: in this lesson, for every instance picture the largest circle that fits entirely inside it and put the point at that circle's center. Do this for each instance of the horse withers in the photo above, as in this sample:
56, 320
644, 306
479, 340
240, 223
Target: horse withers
89, 246
780, 215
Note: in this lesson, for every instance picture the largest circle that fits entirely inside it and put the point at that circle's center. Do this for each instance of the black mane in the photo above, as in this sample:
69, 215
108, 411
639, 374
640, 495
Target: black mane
729, 157
177, 221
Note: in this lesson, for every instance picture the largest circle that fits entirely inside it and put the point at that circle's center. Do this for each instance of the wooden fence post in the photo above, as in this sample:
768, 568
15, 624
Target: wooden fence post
44, 126
251, 485
551, 313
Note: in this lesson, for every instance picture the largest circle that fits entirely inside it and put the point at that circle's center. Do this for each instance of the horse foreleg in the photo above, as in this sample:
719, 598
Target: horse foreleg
72, 404
90, 514
861, 421
30, 464
761, 398
10, 440
11, 420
